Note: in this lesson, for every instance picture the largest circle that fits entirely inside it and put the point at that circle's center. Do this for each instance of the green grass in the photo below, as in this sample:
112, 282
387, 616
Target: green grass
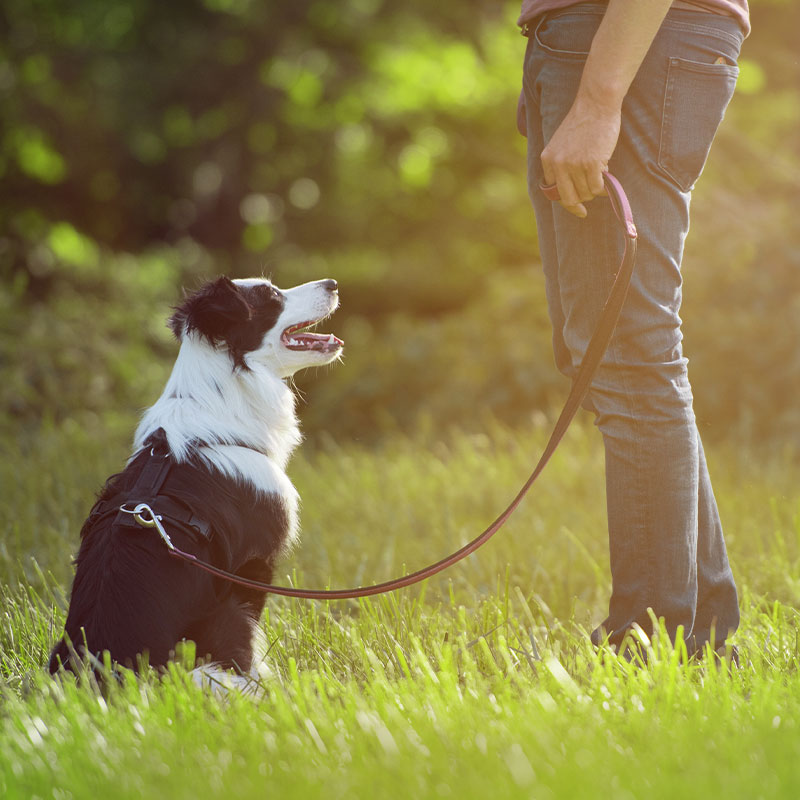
479, 684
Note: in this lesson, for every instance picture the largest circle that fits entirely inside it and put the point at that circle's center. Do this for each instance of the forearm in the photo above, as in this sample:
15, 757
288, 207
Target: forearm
579, 150
618, 49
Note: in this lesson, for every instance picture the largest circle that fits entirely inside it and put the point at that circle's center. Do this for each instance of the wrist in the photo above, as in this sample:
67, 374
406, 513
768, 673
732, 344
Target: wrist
601, 96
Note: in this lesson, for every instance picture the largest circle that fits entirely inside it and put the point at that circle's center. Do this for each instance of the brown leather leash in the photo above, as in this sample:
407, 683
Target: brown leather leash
145, 516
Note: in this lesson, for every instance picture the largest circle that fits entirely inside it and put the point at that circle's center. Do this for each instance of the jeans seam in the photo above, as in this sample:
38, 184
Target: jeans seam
663, 132
642, 517
704, 68
689, 27
703, 30
527, 88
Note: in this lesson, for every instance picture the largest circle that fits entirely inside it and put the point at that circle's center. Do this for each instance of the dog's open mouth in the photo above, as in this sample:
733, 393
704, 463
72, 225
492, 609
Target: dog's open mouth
297, 337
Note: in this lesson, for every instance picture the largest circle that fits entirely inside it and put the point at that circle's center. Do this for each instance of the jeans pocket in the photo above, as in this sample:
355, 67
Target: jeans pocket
695, 100
569, 33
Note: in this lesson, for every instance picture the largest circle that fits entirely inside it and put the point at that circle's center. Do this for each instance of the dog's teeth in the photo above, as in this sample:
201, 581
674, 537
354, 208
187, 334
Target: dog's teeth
331, 339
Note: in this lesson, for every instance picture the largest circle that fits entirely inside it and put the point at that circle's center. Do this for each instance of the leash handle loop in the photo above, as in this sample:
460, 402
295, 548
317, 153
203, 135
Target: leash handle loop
616, 194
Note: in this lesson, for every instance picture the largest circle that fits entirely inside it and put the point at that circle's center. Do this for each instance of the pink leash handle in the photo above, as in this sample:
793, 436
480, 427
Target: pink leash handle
616, 194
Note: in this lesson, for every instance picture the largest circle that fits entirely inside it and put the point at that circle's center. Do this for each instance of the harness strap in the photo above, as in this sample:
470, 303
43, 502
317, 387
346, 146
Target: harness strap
154, 474
169, 509
149, 488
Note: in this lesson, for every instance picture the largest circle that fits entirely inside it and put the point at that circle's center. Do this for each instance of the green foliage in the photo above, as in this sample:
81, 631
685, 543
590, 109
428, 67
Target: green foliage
148, 145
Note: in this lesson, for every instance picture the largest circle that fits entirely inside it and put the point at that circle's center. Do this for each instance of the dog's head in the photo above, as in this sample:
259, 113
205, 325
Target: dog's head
257, 323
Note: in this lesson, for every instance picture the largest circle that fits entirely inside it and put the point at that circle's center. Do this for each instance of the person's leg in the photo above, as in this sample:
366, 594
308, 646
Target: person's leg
717, 603
666, 546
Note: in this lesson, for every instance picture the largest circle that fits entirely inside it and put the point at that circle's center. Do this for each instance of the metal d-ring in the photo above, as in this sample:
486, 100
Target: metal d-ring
145, 516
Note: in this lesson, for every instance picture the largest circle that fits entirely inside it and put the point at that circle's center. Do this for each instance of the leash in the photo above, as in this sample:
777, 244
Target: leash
144, 515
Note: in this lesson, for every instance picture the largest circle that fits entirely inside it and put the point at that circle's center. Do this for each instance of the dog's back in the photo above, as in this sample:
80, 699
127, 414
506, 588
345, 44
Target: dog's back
130, 597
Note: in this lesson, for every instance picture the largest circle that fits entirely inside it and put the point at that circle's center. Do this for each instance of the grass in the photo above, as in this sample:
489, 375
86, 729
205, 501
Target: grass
478, 684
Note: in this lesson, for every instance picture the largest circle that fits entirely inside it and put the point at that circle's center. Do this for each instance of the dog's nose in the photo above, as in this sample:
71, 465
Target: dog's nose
331, 285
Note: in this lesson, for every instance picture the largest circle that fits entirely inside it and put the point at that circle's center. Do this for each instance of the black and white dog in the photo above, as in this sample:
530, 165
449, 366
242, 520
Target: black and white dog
210, 457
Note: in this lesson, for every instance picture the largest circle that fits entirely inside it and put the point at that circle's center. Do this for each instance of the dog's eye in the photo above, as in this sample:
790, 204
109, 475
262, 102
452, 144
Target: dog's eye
267, 293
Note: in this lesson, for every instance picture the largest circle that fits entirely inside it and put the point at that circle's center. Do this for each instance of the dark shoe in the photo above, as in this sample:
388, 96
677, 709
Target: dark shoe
728, 655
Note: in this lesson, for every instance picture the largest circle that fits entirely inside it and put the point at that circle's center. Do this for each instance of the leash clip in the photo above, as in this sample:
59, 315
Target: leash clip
145, 516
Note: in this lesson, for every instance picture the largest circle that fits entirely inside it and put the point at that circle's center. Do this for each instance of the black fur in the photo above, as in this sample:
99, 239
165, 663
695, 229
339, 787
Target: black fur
224, 313
131, 597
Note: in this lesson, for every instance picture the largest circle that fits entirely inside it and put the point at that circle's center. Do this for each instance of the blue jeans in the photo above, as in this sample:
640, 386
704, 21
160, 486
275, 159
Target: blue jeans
667, 550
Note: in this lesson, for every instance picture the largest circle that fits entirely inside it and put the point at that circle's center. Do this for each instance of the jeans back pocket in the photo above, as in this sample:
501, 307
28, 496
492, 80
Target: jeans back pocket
695, 100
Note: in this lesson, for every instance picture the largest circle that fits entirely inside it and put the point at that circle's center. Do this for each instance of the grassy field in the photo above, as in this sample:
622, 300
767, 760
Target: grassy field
480, 684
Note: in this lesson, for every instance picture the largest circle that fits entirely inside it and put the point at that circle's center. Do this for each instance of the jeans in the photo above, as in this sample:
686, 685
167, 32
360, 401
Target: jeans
667, 551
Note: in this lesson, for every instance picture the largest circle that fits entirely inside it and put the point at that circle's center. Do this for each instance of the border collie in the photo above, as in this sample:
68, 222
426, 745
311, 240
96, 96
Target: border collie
210, 457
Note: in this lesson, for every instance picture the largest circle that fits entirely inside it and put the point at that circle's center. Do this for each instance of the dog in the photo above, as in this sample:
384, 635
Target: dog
209, 458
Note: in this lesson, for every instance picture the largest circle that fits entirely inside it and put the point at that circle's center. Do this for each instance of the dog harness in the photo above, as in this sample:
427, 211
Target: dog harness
151, 489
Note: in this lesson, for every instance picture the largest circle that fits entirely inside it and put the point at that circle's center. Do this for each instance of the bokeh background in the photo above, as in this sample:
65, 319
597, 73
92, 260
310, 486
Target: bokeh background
146, 146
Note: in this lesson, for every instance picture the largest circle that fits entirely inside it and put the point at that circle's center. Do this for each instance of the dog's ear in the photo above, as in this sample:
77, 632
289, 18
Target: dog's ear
214, 312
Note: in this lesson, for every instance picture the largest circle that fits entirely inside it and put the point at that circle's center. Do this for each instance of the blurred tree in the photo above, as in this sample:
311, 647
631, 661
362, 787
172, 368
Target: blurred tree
144, 144
256, 129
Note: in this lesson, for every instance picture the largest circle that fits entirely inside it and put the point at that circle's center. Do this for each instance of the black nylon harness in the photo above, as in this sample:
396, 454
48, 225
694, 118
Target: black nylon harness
151, 488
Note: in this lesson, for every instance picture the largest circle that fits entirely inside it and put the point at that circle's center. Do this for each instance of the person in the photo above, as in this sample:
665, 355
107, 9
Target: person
638, 89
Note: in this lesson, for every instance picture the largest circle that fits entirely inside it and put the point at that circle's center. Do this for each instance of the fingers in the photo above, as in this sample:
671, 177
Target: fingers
577, 186
595, 181
573, 192
578, 210
570, 196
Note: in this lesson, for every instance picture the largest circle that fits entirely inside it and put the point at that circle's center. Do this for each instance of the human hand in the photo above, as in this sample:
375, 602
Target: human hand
578, 153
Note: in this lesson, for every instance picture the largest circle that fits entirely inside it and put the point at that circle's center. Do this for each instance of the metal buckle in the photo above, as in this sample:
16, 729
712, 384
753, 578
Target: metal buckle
145, 516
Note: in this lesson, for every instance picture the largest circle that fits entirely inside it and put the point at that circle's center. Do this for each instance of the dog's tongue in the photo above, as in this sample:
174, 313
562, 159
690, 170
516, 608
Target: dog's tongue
324, 342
